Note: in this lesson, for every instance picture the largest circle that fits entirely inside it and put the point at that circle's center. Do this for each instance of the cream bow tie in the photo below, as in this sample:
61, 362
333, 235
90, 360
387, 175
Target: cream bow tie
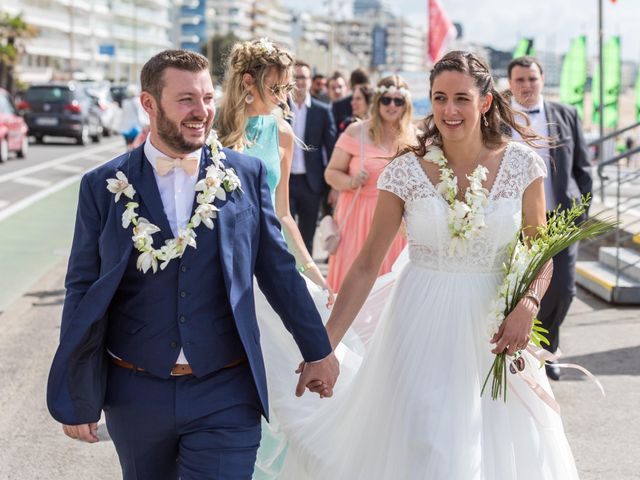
165, 164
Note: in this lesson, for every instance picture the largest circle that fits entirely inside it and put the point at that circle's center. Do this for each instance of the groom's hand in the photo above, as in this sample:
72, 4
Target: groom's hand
87, 432
319, 377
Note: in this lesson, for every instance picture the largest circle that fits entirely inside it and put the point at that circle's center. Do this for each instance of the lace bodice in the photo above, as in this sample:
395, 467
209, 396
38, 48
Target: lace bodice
426, 211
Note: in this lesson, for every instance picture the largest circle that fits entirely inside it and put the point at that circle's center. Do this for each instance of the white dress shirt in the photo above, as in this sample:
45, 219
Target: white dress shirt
177, 194
541, 127
299, 124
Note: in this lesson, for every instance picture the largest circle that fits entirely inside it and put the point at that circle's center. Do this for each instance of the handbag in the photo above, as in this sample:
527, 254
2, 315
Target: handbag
330, 231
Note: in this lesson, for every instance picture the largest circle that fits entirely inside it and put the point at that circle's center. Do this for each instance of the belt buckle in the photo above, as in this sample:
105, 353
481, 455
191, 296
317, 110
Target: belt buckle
178, 374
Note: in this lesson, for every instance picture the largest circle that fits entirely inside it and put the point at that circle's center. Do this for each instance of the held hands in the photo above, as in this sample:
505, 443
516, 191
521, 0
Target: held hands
87, 432
515, 332
358, 179
319, 377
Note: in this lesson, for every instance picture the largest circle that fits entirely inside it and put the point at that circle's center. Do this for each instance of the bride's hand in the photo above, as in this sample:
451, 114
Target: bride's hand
515, 332
331, 296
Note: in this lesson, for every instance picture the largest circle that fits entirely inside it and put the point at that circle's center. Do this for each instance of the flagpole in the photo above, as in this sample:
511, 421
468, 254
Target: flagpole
601, 71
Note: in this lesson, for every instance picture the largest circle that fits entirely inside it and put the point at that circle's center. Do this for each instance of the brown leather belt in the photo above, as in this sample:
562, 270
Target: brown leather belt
177, 370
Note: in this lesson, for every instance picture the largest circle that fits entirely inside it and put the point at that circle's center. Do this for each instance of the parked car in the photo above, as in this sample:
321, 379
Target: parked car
13, 129
62, 110
109, 108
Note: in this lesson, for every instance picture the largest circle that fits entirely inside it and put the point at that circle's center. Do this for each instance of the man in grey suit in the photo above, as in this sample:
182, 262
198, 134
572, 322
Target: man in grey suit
569, 177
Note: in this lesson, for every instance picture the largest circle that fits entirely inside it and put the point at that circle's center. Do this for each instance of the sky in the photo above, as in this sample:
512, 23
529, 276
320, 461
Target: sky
552, 23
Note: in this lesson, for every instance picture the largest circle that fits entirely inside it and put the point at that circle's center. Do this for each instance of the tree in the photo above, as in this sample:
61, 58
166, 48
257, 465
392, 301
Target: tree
13, 31
219, 48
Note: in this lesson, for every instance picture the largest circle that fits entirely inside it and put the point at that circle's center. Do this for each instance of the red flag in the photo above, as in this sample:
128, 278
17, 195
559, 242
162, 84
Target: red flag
440, 27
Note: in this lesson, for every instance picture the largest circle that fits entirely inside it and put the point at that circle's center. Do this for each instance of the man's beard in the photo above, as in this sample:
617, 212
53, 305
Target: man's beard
170, 133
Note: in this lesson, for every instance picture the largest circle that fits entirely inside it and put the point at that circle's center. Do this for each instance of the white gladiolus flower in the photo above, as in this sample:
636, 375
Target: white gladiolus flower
120, 185
147, 260
129, 215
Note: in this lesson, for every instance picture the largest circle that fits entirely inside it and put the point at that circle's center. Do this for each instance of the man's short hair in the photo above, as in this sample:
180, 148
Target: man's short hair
525, 62
358, 77
336, 75
152, 74
300, 63
318, 76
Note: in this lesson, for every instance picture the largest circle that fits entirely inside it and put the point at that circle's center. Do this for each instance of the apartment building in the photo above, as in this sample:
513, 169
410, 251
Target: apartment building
91, 38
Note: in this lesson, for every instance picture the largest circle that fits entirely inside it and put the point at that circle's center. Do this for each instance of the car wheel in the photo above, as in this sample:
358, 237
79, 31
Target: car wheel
39, 139
24, 148
84, 137
4, 150
95, 138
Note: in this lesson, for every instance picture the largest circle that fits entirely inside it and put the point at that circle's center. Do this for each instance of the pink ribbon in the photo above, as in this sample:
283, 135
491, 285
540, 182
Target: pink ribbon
543, 355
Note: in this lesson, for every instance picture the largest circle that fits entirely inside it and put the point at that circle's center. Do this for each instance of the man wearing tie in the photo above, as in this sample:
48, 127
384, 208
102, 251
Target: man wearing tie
312, 123
160, 335
568, 178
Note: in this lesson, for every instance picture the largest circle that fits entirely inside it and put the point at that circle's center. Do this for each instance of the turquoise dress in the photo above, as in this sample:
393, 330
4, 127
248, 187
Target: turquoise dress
262, 133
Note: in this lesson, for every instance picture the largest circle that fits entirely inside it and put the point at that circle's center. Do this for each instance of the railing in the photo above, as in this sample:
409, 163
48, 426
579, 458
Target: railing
623, 205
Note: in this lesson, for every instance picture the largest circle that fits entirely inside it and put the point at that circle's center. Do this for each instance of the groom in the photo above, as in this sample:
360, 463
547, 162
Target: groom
173, 356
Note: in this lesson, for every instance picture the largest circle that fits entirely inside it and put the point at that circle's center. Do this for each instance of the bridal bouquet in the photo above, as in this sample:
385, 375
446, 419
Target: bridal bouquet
525, 260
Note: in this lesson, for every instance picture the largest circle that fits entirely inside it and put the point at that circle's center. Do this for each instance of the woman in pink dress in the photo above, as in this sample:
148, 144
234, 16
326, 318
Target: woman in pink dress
355, 175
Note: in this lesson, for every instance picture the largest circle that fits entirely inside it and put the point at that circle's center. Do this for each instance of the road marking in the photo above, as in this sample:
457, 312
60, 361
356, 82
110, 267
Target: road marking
33, 182
95, 158
30, 200
4, 203
69, 168
57, 161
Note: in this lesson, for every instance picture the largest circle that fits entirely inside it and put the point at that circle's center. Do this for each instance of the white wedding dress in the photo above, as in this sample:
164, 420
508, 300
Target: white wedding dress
407, 404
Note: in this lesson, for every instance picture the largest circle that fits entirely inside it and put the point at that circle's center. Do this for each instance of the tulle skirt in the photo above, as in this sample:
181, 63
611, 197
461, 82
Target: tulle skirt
407, 404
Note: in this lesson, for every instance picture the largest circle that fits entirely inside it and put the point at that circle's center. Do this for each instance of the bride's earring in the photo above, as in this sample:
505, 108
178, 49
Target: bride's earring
484, 120
248, 99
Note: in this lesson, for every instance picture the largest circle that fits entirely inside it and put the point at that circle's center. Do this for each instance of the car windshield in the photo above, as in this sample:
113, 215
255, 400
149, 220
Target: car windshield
49, 94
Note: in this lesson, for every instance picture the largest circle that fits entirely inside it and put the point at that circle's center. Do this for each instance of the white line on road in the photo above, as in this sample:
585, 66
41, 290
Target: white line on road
57, 161
69, 168
32, 182
95, 158
30, 200
4, 203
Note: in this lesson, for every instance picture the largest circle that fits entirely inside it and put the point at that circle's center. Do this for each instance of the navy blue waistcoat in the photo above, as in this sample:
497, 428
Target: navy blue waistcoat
185, 305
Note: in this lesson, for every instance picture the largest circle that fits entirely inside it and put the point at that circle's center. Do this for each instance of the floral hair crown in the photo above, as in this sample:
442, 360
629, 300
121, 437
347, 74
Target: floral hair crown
392, 89
265, 45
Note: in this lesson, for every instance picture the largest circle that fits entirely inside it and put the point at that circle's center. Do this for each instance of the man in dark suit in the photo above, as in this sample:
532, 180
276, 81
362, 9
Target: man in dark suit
171, 352
312, 123
342, 108
569, 177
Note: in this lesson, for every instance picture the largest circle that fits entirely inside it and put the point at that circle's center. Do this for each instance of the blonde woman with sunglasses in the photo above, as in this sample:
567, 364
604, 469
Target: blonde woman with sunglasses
251, 119
359, 157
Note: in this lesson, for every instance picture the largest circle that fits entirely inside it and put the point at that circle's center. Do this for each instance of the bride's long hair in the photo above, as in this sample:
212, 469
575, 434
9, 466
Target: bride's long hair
257, 58
500, 116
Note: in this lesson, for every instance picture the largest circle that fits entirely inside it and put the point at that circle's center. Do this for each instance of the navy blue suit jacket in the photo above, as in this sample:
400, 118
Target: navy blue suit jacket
250, 242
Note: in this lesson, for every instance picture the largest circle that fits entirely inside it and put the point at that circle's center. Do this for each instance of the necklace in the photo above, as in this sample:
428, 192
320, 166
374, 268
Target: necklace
466, 217
217, 183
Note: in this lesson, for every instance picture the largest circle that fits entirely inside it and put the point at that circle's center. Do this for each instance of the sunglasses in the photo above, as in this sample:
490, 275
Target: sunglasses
279, 89
398, 102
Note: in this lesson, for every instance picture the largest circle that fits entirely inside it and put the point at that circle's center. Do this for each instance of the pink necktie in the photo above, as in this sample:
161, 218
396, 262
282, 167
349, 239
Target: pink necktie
165, 164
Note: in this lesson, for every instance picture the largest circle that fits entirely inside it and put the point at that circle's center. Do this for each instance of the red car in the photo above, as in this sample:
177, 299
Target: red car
13, 129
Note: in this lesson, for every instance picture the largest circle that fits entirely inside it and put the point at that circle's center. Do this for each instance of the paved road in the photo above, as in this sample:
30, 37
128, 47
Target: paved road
38, 198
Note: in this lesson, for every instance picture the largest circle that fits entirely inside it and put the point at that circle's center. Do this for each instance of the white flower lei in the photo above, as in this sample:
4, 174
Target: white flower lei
466, 218
217, 183
393, 89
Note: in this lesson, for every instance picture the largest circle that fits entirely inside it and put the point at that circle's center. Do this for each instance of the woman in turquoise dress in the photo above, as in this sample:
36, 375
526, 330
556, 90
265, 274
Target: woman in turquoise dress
251, 119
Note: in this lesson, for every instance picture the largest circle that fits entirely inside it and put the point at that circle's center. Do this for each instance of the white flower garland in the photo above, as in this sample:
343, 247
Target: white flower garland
217, 183
466, 219
393, 89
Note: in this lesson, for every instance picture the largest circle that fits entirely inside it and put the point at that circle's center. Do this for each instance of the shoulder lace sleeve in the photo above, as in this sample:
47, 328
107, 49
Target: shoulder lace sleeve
395, 177
535, 168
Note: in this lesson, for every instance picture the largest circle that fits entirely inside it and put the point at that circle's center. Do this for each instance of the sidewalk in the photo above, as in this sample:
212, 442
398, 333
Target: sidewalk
604, 432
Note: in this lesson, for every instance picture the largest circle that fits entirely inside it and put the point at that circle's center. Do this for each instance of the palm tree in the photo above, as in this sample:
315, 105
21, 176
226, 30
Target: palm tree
13, 31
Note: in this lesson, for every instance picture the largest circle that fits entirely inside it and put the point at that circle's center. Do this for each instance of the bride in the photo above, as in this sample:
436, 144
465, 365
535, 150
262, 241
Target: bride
410, 406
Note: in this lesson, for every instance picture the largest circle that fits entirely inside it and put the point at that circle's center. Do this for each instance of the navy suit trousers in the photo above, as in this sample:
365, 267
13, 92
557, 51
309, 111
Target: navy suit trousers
184, 427
304, 204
